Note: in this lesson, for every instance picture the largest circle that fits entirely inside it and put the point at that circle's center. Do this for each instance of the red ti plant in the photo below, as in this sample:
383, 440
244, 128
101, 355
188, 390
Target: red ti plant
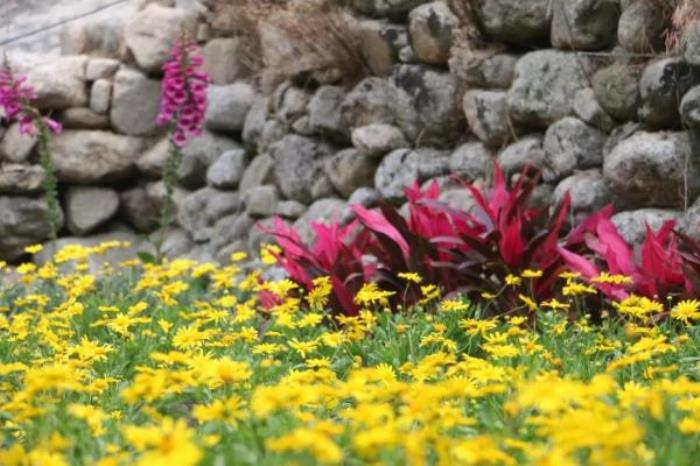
472, 251
656, 270
337, 252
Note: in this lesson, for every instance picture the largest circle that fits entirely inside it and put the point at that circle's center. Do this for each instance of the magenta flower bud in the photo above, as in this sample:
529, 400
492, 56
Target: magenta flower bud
183, 102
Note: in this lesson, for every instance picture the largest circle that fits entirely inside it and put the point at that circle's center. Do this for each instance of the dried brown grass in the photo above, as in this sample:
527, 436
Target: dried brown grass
289, 38
683, 13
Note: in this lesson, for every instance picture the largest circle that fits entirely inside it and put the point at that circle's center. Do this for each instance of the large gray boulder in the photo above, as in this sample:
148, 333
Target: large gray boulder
101, 95
515, 21
369, 102
385, 8
403, 167
88, 157
289, 103
691, 39
378, 139
59, 83
138, 209
151, 33
254, 124
569, 145
472, 161
380, 43
349, 170
200, 210
232, 229
642, 25
260, 171
16, 147
21, 179
690, 221
487, 115
690, 108
528, 151
426, 105
431, 27
325, 117
323, 211
89, 207
495, 70
588, 190
199, 154
661, 87
261, 201
587, 108
632, 224
135, 103
653, 169
23, 221
298, 166
152, 162
616, 88
545, 85
223, 60
584, 24
226, 172
228, 107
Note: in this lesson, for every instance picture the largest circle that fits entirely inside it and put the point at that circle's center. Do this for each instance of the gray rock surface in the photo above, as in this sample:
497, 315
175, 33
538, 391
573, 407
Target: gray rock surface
487, 115
21, 179
89, 207
261, 201
515, 21
22, 223
472, 161
571, 144
426, 105
16, 147
199, 154
227, 170
528, 151
324, 113
138, 209
151, 33
641, 27
616, 88
589, 192
633, 224
378, 139
89, 157
349, 170
584, 24
662, 85
431, 27
228, 107
545, 85
369, 102
135, 103
653, 169
298, 166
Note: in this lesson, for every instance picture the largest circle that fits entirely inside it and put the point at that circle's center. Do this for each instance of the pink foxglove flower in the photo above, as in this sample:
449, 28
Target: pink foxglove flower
184, 94
16, 97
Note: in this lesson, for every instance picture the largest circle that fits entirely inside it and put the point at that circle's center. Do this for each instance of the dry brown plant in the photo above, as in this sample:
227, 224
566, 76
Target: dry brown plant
683, 13
288, 39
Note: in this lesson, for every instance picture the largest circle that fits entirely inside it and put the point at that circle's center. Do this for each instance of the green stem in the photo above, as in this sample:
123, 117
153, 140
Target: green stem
170, 179
50, 184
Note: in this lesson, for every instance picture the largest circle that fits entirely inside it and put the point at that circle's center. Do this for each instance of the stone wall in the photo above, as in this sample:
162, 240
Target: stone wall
582, 89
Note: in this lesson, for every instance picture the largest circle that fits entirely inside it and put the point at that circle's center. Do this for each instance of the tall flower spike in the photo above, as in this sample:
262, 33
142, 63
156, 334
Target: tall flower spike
184, 94
16, 97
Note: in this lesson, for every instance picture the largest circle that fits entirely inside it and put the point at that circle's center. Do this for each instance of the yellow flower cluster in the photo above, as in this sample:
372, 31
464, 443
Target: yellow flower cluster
180, 364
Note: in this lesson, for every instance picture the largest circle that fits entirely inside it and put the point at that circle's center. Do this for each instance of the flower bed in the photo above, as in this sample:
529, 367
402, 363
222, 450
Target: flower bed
186, 363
